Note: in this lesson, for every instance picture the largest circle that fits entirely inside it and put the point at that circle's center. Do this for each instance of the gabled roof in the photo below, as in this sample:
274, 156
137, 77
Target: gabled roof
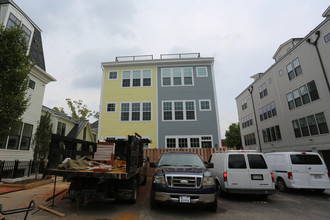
77, 128
291, 41
95, 125
60, 114
326, 13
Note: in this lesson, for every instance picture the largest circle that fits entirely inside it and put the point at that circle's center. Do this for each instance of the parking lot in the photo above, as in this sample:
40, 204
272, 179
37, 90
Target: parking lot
293, 205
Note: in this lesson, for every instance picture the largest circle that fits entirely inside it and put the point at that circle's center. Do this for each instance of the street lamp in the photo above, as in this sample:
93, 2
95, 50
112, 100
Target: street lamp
250, 89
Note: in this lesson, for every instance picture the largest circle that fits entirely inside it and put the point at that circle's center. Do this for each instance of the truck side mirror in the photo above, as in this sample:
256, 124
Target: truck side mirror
152, 164
210, 165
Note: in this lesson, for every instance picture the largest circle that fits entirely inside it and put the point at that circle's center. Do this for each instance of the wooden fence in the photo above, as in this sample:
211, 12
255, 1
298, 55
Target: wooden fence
154, 154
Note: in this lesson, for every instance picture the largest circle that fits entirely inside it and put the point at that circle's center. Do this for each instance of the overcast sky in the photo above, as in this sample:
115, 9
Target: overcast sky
241, 35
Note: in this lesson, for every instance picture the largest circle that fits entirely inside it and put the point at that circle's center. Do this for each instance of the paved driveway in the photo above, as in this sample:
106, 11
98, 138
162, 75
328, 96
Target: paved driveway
293, 205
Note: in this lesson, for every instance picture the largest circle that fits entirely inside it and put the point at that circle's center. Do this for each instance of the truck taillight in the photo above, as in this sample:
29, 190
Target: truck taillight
329, 175
290, 176
225, 176
272, 175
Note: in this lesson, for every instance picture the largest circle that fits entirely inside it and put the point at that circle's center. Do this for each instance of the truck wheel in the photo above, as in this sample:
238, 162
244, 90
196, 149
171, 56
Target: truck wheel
213, 206
281, 185
134, 191
80, 200
144, 181
220, 191
153, 203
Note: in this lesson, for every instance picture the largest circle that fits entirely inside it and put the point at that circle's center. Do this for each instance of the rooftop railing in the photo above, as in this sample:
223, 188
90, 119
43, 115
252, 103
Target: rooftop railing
162, 56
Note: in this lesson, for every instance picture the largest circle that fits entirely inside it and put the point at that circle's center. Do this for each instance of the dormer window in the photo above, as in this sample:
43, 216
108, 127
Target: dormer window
12, 21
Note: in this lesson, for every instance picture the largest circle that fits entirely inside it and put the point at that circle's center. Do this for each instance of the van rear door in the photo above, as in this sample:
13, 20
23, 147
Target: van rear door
314, 168
259, 173
237, 173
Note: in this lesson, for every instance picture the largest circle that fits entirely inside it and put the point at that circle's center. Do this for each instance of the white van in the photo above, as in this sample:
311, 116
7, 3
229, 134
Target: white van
242, 172
300, 170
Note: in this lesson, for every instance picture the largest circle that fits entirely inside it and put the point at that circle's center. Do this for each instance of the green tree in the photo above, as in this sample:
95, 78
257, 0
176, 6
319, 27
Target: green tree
15, 66
233, 136
79, 110
42, 139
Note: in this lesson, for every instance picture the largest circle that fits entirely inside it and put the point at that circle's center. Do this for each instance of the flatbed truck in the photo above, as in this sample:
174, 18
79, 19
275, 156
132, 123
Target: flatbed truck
120, 182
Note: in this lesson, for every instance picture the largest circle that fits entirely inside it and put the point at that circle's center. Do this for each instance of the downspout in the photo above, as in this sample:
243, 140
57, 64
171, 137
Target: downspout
255, 117
319, 56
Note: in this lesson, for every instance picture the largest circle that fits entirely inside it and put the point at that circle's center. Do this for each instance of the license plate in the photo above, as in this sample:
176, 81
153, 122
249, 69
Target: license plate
257, 177
317, 176
184, 199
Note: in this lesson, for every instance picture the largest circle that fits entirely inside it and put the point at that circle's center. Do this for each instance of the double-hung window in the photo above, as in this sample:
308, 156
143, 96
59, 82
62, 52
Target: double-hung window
310, 125
297, 99
136, 78
304, 94
322, 123
126, 79
263, 90
294, 69
313, 90
124, 116
146, 77
135, 111
146, 108
179, 111
177, 76
290, 100
178, 106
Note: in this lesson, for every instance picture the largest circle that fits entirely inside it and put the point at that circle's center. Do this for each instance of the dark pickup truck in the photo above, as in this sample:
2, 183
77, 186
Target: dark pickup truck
183, 178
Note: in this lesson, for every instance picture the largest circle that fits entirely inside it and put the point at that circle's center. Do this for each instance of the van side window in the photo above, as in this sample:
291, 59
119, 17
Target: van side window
306, 159
256, 161
236, 161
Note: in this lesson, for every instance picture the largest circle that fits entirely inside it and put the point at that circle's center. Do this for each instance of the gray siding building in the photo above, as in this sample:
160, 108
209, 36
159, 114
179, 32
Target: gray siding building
171, 100
286, 108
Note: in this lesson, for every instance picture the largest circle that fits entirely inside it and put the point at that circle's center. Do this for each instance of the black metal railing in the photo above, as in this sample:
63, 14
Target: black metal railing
16, 169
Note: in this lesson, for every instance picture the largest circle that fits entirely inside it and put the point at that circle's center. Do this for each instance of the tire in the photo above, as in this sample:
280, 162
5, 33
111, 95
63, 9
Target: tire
319, 190
144, 181
213, 206
153, 203
220, 191
281, 185
133, 198
80, 200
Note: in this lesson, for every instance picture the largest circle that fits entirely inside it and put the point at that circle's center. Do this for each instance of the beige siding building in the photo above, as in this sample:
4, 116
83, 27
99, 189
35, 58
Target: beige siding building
287, 108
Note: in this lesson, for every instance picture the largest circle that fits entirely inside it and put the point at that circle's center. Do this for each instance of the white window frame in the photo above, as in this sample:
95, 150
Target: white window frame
202, 67
205, 100
130, 112
172, 77
116, 75
188, 137
184, 110
131, 78
111, 103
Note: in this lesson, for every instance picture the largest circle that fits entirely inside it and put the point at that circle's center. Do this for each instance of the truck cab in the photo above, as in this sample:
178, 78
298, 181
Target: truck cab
183, 177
